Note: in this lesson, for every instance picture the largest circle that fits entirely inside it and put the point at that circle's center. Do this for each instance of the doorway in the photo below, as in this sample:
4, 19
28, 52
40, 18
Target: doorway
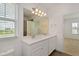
71, 34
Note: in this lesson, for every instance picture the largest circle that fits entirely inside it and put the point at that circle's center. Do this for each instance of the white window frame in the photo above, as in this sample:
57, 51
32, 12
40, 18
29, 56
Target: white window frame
75, 28
16, 23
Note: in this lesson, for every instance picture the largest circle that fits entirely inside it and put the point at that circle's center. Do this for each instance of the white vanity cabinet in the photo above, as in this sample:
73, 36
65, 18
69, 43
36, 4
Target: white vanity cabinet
52, 44
39, 47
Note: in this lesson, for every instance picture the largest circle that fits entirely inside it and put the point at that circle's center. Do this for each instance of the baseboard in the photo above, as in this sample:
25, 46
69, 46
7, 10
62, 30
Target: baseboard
58, 51
52, 52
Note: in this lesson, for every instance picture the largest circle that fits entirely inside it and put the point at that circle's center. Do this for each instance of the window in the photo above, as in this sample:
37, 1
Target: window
75, 28
2, 8
7, 20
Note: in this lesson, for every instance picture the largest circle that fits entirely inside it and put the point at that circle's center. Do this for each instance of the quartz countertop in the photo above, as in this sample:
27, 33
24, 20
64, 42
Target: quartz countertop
29, 40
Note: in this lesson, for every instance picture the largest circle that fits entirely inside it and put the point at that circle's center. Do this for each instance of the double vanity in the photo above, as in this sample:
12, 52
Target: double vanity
41, 45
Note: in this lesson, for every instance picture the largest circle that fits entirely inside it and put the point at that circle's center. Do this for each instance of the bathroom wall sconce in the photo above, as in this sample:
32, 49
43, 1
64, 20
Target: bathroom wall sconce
38, 12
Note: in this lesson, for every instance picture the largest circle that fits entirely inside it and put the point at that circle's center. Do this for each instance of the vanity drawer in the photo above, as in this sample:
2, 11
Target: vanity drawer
37, 51
39, 44
36, 45
40, 48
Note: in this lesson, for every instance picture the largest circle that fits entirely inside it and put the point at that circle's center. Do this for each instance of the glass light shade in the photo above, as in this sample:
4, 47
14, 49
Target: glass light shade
39, 11
41, 15
45, 14
38, 14
42, 12
36, 10
33, 12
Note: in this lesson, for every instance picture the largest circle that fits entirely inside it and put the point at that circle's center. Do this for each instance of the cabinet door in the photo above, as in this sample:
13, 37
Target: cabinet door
45, 48
10, 10
40, 48
37, 51
2, 9
52, 44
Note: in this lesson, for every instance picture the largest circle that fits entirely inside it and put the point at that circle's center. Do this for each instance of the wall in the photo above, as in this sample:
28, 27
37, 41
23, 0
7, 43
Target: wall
68, 28
7, 44
57, 12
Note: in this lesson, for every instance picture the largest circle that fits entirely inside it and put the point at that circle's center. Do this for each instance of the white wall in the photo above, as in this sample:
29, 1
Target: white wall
14, 43
57, 18
68, 28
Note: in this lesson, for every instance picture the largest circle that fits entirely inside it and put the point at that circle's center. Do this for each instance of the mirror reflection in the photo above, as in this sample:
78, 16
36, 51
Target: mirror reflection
34, 25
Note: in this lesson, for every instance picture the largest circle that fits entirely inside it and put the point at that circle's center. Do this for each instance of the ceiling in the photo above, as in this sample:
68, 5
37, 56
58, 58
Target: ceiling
27, 13
52, 8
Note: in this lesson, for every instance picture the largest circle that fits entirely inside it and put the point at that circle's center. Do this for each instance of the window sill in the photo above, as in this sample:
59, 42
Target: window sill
14, 37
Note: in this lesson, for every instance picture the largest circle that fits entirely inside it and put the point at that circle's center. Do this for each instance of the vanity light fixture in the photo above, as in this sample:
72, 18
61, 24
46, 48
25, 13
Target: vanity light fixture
38, 12
33, 12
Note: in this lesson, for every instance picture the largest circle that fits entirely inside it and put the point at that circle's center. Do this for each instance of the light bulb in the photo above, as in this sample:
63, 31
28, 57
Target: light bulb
42, 12
39, 11
36, 10
45, 14
38, 14
33, 12
41, 15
